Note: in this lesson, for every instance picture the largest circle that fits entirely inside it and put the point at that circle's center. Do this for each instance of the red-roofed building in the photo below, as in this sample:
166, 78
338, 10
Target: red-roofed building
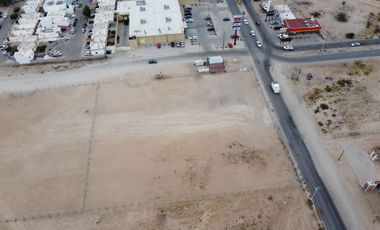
300, 25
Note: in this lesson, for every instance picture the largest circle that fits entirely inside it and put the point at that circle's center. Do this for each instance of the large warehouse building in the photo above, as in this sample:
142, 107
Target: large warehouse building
152, 21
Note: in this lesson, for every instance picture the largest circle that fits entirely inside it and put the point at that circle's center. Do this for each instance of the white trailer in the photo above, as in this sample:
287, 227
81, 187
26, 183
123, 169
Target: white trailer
203, 69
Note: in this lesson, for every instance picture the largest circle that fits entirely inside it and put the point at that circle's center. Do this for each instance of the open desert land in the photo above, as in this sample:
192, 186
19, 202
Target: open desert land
182, 152
344, 100
363, 16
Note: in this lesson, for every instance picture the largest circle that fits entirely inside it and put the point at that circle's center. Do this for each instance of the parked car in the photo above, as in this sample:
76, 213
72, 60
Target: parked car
211, 29
56, 53
259, 44
152, 61
178, 44
277, 27
188, 16
253, 33
226, 19
288, 47
87, 53
209, 24
208, 18
172, 44
193, 37
75, 22
189, 20
233, 36
245, 21
257, 23
182, 44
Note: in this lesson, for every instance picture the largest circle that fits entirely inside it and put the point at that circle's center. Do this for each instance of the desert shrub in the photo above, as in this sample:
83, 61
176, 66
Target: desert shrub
16, 9
328, 88
350, 35
316, 14
309, 203
14, 16
341, 17
324, 106
314, 95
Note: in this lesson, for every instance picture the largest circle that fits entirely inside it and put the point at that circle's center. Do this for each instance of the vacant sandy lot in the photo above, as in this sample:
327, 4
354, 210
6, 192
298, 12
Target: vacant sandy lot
344, 99
358, 13
182, 152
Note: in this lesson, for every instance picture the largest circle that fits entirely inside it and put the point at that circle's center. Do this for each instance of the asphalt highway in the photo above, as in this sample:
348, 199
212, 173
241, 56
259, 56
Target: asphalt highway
262, 58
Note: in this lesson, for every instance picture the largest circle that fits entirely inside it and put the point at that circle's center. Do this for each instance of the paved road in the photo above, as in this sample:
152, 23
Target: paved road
300, 154
328, 45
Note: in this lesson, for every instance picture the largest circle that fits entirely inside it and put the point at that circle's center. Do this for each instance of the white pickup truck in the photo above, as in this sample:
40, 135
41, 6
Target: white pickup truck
275, 87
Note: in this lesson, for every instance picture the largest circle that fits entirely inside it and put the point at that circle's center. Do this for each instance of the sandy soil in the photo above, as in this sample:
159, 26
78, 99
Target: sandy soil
182, 152
350, 123
358, 13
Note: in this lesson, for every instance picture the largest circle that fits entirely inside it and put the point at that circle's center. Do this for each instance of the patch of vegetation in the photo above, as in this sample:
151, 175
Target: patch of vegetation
314, 95
41, 49
309, 203
350, 35
344, 82
324, 106
14, 16
341, 17
16, 9
359, 68
316, 14
86, 11
5, 2
12, 49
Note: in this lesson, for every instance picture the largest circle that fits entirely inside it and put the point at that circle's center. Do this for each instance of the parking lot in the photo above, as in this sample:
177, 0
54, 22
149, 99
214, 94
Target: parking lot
300, 39
212, 25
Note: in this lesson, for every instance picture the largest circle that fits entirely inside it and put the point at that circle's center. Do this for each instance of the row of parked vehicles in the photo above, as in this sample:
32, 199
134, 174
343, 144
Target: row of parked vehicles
187, 14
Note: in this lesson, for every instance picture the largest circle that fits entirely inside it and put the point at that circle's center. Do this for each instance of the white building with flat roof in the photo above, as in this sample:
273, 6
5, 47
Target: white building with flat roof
152, 21
284, 12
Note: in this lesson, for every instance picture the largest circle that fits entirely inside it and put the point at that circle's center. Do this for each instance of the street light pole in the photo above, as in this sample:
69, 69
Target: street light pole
224, 34
315, 192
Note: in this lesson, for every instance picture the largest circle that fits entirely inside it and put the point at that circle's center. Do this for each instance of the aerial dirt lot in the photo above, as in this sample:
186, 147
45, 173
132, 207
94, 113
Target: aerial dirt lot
182, 152
344, 100
362, 16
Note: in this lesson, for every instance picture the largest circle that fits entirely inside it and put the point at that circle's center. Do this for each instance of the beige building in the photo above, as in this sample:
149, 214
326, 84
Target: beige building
152, 21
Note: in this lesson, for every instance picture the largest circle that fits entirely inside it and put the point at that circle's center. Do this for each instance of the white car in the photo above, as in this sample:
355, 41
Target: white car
259, 44
189, 20
275, 87
253, 33
245, 21
193, 37
57, 53
355, 44
288, 47
87, 53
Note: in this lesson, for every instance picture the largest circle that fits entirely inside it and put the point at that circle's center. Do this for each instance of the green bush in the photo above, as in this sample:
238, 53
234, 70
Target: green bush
86, 11
350, 35
324, 106
341, 17
16, 9
14, 16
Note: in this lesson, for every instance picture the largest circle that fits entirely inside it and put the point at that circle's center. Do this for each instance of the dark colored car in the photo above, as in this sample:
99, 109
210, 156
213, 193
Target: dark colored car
75, 22
152, 61
211, 29
277, 27
235, 36
172, 44
258, 23
226, 19
207, 18
188, 16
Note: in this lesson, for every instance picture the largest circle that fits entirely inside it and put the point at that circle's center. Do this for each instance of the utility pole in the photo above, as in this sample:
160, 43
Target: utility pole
224, 34
315, 192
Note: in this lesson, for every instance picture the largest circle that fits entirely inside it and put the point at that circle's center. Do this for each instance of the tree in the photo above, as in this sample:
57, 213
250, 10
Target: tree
341, 17
350, 35
5, 2
86, 11
14, 16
